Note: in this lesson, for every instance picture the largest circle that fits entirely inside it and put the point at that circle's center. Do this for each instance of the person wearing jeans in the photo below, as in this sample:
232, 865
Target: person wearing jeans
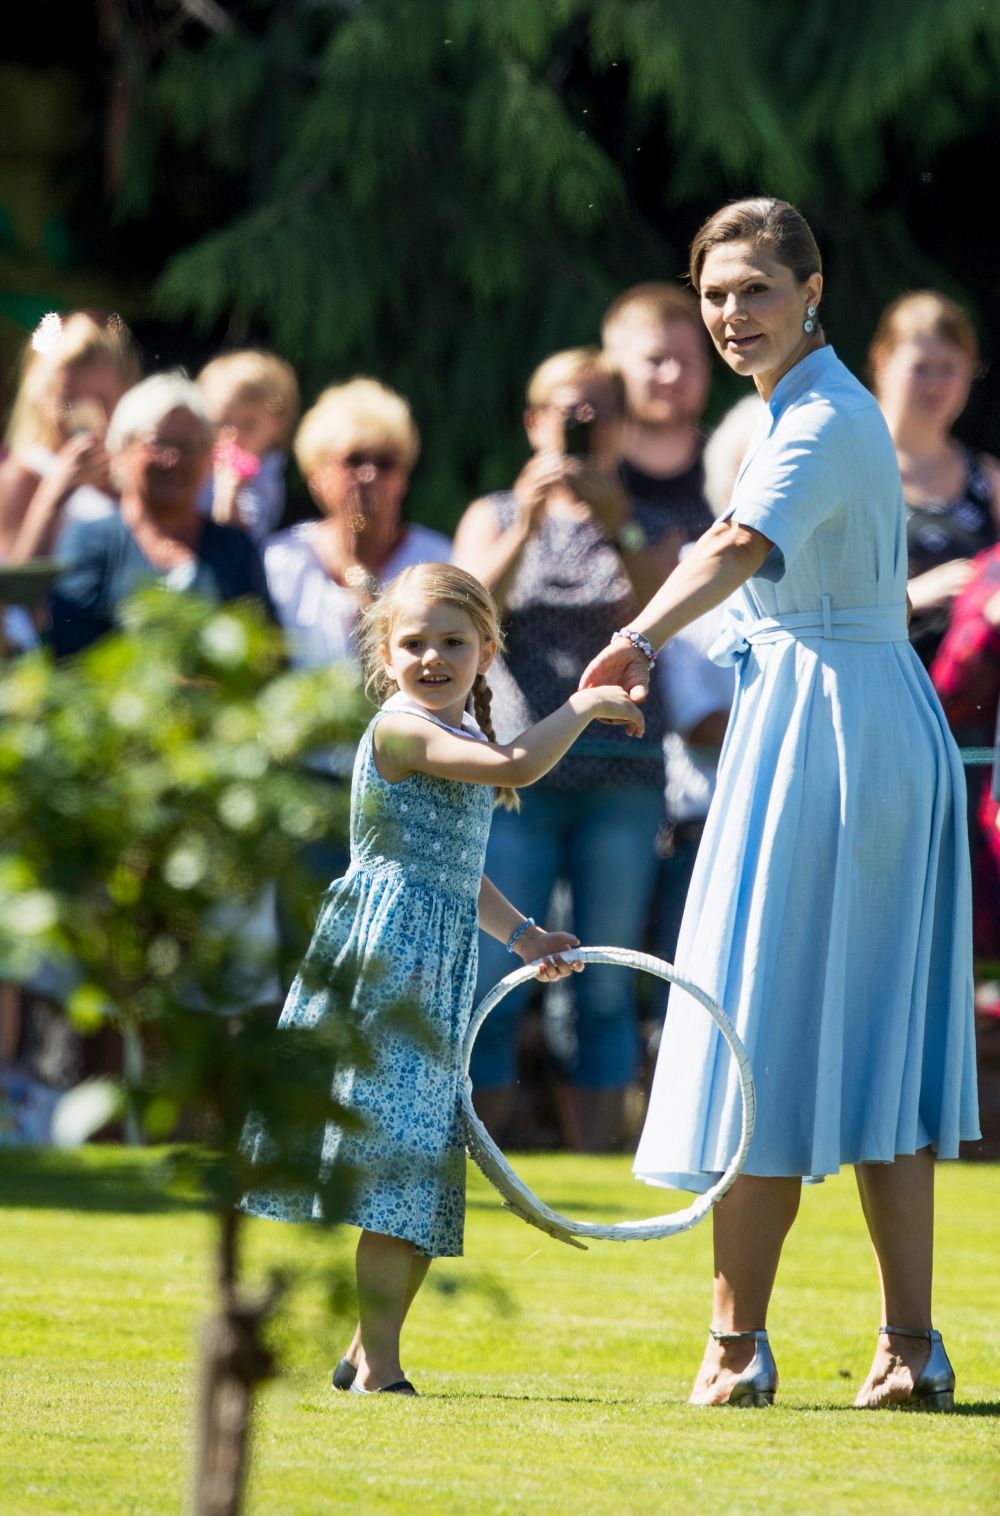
557, 553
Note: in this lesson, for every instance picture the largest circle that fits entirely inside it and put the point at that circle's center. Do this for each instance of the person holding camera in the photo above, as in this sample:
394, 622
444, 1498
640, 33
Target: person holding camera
557, 554
74, 371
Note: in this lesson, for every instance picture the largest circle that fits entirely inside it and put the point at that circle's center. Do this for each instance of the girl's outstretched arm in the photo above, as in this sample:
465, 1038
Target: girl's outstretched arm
406, 745
501, 919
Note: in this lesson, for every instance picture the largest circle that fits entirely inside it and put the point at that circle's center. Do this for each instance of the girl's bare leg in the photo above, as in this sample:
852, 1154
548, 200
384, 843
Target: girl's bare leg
898, 1202
750, 1223
416, 1274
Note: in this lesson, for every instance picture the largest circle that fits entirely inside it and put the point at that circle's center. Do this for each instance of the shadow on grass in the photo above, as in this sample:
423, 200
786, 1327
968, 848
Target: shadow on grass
964, 1408
41, 1179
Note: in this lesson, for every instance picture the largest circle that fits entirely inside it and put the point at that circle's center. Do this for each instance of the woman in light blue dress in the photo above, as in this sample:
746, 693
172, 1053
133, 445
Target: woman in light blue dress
829, 909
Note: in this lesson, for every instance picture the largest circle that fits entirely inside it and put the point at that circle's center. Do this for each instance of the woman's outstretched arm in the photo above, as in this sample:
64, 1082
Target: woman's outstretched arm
718, 563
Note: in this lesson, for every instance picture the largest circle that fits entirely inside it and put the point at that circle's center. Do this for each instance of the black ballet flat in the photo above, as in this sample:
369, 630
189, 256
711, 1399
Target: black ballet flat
343, 1375
401, 1387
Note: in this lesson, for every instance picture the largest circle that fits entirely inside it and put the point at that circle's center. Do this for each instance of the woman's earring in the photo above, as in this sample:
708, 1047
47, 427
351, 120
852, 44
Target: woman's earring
809, 324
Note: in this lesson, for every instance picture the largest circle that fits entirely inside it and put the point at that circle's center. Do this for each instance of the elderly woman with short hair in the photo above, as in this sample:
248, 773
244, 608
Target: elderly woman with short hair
356, 448
160, 442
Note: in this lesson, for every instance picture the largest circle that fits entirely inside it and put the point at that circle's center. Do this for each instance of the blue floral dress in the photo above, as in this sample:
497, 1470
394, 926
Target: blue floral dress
405, 917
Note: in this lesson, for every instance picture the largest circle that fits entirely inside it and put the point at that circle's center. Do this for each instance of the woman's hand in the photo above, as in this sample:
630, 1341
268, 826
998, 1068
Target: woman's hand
600, 491
531, 488
939, 586
538, 946
610, 703
81, 460
619, 663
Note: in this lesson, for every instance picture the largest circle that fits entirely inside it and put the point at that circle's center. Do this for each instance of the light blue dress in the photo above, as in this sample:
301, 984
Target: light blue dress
829, 910
405, 920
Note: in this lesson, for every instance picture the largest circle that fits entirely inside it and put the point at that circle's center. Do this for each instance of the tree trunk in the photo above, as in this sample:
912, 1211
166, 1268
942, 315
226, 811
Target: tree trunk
234, 1360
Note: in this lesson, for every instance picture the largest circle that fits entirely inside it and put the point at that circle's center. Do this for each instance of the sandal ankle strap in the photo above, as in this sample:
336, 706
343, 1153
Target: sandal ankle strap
927, 1333
757, 1333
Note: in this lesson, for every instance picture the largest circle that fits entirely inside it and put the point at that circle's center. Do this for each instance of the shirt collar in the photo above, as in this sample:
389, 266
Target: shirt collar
804, 376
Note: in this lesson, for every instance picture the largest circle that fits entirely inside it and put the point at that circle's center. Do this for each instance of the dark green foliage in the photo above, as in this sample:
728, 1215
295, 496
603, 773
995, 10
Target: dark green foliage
441, 192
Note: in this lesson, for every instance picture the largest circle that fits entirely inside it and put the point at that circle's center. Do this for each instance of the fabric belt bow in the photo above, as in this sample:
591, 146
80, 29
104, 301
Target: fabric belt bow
869, 623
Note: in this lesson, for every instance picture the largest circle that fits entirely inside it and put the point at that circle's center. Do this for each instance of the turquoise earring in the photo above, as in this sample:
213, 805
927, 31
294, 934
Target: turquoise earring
809, 324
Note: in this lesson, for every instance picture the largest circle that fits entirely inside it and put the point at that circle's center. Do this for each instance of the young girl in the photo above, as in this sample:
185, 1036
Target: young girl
253, 398
407, 914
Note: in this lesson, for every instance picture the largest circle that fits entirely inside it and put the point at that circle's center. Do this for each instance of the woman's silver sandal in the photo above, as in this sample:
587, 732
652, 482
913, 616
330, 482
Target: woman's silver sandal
756, 1385
934, 1387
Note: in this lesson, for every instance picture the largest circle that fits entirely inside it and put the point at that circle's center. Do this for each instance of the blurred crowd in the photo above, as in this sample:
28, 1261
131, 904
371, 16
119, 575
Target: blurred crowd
110, 480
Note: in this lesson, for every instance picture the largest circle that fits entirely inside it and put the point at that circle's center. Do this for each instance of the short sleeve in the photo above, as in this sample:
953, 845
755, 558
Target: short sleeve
793, 484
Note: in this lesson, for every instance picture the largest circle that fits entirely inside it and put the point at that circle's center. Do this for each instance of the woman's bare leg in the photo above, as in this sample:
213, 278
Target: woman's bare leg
898, 1202
750, 1223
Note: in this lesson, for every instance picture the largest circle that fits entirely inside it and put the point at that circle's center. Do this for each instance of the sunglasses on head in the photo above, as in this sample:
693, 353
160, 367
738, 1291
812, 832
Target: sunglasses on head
383, 462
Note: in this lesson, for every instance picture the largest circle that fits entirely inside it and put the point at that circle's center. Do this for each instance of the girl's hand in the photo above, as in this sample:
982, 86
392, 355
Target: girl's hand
619, 663
608, 702
536, 946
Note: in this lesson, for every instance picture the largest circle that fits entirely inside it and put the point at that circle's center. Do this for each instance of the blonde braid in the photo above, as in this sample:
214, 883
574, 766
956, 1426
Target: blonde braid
482, 705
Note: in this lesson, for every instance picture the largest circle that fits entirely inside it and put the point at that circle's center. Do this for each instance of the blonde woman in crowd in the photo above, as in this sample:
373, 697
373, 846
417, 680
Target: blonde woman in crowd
356, 448
923, 359
74, 371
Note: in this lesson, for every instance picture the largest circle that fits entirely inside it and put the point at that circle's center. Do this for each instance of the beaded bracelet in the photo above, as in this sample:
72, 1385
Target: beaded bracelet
516, 933
639, 642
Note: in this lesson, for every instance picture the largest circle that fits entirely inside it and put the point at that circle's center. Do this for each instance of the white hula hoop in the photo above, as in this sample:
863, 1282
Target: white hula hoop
522, 1201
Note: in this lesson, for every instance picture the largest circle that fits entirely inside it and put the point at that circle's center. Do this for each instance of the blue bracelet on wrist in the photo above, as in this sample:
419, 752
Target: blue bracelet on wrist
528, 921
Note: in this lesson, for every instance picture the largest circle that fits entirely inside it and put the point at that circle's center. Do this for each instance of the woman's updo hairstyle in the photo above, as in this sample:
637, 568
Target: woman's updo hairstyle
766, 223
923, 313
435, 584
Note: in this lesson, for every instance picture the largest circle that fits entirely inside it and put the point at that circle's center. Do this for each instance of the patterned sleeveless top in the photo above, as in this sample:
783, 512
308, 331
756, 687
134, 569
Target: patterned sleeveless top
940, 531
569, 595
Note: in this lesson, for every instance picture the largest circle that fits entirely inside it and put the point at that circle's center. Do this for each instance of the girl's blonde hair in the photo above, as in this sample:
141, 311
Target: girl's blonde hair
60, 344
255, 378
437, 584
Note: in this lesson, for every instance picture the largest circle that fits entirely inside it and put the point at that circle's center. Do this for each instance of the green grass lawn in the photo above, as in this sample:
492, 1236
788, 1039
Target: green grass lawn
551, 1380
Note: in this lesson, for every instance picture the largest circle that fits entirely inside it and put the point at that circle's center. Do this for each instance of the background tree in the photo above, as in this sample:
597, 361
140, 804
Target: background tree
442, 191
